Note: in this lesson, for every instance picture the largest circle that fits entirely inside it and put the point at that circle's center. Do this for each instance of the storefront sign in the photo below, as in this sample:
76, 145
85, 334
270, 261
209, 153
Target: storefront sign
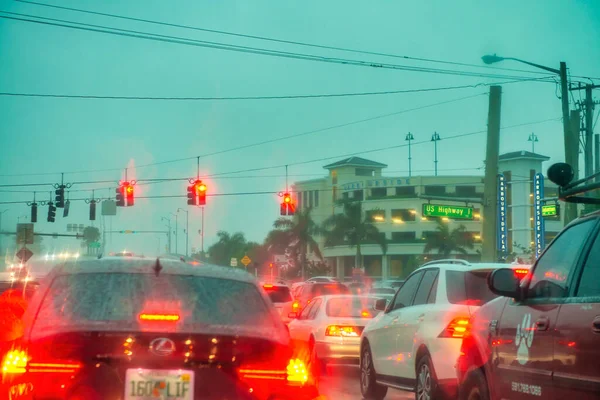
538, 220
387, 182
501, 230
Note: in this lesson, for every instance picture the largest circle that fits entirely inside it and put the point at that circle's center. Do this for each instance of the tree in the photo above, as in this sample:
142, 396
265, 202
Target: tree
352, 228
447, 241
91, 234
299, 234
227, 247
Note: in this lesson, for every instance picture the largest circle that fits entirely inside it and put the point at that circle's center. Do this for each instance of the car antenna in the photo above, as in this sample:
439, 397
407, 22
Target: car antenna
157, 267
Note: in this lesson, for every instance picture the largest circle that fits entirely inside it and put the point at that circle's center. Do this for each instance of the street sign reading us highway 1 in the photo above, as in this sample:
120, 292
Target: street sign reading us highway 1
453, 212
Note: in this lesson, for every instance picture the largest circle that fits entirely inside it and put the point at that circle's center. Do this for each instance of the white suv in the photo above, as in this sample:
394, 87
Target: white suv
415, 343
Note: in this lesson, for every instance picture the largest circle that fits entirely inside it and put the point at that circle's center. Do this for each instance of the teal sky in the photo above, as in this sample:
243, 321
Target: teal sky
41, 135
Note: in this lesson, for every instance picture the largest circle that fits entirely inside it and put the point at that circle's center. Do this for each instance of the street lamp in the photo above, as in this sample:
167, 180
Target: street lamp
169, 234
187, 229
409, 138
571, 145
435, 138
533, 138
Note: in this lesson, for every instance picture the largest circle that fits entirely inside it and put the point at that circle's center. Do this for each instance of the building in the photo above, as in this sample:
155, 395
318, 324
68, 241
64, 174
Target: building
398, 207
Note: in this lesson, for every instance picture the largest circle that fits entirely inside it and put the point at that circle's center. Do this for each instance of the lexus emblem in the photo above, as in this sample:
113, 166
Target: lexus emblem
162, 346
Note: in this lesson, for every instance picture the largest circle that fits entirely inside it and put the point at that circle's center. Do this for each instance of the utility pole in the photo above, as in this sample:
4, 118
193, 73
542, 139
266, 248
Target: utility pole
202, 234
409, 138
597, 155
435, 138
169, 232
490, 195
571, 208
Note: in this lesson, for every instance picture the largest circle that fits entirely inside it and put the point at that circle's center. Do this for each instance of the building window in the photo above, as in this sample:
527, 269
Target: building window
466, 191
476, 214
364, 172
405, 191
404, 237
381, 239
375, 215
404, 215
358, 195
435, 190
299, 200
316, 198
334, 177
377, 193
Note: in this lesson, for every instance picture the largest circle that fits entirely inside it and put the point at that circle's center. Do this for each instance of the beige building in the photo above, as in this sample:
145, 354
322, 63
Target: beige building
395, 204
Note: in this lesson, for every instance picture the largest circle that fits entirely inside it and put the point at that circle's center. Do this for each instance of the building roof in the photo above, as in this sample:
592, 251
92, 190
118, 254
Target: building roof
522, 154
355, 162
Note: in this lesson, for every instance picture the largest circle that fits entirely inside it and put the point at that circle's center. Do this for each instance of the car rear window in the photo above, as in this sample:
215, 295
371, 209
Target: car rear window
323, 289
468, 287
351, 307
93, 298
279, 294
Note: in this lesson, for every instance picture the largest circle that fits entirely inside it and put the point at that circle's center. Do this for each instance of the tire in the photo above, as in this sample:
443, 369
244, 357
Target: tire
475, 387
427, 387
369, 387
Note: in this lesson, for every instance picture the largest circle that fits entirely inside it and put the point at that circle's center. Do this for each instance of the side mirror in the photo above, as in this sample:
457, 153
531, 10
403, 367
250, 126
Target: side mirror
504, 282
561, 174
293, 315
380, 304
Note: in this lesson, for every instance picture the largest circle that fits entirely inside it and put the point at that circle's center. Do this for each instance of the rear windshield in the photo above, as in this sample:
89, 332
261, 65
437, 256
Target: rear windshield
351, 307
468, 287
279, 294
120, 298
323, 289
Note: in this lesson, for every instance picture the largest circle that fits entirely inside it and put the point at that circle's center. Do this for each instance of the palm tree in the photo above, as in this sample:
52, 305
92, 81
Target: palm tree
353, 228
227, 247
298, 234
446, 241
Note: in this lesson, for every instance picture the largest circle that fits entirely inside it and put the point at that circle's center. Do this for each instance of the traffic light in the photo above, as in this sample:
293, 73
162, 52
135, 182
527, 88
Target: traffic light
33, 212
66, 209
51, 212
120, 196
93, 210
201, 191
191, 195
60, 196
129, 194
287, 207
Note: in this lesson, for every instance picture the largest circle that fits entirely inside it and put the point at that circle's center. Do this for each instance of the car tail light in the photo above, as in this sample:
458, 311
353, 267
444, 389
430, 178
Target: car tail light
365, 314
295, 306
295, 372
15, 362
268, 286
521, 272
457, 328
18, 362
159, 317
344, 331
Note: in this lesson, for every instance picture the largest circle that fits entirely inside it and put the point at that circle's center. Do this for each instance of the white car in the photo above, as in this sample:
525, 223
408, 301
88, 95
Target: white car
316, 279
281, 297
330, 327
414, 344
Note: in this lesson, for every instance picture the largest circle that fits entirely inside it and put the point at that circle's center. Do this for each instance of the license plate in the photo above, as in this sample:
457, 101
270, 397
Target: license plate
152, 384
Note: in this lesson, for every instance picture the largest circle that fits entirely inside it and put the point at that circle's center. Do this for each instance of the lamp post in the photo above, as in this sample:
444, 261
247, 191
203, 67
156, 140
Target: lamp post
435, 138
169, 234
187, 229
571, 139
533, 138
409, 138
176, 233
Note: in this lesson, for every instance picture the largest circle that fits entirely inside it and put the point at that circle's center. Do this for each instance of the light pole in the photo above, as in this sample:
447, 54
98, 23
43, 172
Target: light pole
187, 229
202, 233
1, 236
176, 233
435, 138
533, 138
571, 139
409, 138
169, 234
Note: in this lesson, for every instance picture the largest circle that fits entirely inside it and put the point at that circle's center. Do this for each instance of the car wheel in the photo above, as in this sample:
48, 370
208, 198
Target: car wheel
475, 387
369, 388
427, 385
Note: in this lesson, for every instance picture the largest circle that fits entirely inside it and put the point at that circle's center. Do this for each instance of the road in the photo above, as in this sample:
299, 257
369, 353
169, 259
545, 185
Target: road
342, 383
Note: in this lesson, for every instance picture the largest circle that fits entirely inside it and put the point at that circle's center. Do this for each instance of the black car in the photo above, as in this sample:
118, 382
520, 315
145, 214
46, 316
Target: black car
135, 329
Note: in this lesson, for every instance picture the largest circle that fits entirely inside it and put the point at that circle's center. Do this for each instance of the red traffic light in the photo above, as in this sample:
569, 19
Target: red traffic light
129, 189
287, 198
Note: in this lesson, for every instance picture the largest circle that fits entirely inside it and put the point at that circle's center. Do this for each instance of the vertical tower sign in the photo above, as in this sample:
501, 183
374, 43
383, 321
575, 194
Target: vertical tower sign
501, 233
538, 220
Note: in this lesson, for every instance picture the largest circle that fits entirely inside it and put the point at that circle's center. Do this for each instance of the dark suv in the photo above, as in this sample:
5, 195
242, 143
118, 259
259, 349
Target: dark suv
543, 338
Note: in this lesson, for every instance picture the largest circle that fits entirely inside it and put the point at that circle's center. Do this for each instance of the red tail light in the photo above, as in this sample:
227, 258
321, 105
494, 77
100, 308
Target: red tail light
343, 331
295, 306
268, 286
18, 362
457, 328
159, 317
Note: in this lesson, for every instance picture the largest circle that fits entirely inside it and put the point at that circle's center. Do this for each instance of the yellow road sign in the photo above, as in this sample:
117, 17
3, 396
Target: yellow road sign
246, 260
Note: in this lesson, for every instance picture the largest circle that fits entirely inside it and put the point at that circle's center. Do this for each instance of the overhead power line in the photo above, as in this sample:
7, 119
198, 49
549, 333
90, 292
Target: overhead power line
243, 49
275, 40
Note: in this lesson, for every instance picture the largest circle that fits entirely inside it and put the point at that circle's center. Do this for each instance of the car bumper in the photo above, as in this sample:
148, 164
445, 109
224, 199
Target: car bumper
444, 353
339, 350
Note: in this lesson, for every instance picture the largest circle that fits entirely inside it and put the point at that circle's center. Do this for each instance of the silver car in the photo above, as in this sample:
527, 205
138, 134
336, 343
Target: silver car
330, 327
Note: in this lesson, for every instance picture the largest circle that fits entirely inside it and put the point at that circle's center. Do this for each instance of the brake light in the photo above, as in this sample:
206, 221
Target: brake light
159, 317
457, 328
63, 367
268, 286
521, 272
14, 362
346, 331
296, 371
295, 306
365, 314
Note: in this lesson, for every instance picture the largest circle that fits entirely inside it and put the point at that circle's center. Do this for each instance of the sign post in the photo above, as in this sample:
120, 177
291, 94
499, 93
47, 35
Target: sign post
538, 220
454, 212
502, 234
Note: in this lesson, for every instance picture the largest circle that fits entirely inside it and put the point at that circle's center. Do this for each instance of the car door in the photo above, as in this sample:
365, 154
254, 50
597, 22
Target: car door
410, 319
299, 327
384, 334
577, 340
523, 361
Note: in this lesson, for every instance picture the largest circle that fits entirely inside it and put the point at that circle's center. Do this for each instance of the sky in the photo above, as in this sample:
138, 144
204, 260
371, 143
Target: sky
93, 140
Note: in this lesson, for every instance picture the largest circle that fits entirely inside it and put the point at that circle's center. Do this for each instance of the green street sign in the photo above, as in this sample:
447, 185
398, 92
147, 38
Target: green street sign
95, 245
550, 210
454, 212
